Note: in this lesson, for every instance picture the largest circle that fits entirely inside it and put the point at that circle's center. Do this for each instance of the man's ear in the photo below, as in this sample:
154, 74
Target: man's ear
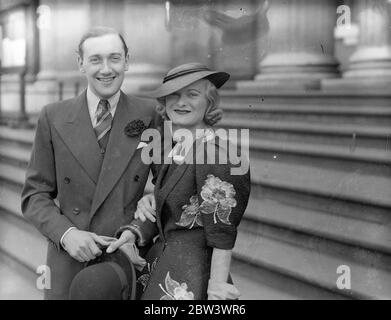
80, 64
127, 62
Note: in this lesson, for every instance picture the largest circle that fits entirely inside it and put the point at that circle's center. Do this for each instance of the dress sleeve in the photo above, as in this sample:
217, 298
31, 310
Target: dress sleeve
223, 196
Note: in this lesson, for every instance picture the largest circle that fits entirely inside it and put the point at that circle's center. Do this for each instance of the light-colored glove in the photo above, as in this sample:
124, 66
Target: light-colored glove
131, 250
222, 291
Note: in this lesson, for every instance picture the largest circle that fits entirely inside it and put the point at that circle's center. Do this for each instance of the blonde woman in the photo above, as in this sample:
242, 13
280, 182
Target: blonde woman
196, 208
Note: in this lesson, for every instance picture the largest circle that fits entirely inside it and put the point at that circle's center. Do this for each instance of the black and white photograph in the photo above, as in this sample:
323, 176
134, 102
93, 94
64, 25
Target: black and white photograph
229, 150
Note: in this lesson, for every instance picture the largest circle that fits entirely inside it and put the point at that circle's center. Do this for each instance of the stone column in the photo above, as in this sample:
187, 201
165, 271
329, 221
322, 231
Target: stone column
145, 31
370, 64
300, 49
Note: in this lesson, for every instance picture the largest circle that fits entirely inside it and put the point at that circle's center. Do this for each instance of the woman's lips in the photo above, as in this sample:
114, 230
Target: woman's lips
182, 112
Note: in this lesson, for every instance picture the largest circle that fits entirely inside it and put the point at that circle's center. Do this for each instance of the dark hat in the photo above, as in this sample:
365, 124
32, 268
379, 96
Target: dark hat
110, 276
186, 74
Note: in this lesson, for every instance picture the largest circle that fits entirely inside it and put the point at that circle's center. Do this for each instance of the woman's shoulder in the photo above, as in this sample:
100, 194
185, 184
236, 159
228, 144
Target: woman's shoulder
216, 149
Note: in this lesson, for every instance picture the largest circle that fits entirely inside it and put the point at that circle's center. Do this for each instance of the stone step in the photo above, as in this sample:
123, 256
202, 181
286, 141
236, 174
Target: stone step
256, 283
356, 231
16, 281
349, 136
14, 154
320, 113
20, 240
315, 261
332, 180
10, 199
321, 152
12, 174
22, 136
309, 99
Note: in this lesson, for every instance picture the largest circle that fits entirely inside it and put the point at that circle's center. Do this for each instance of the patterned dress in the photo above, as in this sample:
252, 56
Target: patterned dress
198, 208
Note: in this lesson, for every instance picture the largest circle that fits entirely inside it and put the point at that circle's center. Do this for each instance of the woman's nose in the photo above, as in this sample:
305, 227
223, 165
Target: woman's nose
182, 101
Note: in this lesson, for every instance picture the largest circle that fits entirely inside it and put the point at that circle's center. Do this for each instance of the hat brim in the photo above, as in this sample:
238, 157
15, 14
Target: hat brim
171, 86
123, 261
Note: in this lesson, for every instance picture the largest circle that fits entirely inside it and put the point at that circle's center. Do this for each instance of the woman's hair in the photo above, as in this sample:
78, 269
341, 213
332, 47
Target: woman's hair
213, 113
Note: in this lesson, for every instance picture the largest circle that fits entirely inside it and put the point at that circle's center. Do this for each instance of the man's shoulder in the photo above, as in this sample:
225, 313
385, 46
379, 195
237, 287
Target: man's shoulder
58, 109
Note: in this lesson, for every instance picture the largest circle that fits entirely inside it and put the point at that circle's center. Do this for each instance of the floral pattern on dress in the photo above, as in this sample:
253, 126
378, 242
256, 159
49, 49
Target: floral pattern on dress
191, 214
175, 291
144, 279
219, 198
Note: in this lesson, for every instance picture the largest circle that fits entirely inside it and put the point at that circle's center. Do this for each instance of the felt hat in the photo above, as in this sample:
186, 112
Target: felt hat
110, 276
184, 75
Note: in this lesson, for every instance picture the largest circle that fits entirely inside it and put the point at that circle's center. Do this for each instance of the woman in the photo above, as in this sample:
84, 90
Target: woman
197, 205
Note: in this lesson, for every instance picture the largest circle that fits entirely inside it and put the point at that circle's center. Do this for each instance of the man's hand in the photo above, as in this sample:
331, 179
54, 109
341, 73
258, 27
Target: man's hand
146, 208
126, 237
82, 245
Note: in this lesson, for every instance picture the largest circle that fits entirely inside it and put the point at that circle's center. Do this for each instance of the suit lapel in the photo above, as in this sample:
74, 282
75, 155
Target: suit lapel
162, 192
119, 151
78, 134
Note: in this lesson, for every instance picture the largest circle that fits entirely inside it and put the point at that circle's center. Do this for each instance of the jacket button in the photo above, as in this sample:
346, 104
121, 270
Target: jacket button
137, 178
102, 151
76, 211
67, 180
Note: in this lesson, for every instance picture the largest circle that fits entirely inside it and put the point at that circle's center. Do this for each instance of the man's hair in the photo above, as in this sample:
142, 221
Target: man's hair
98, 32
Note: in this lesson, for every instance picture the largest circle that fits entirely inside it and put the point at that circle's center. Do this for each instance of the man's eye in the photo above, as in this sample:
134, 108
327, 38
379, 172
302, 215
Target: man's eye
95, 60
116, 59
193, 94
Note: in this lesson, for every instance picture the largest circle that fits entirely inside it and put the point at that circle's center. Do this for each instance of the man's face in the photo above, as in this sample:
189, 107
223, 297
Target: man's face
104, 63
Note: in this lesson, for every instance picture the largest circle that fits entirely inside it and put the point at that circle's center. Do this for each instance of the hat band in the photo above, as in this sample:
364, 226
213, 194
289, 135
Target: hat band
182, 73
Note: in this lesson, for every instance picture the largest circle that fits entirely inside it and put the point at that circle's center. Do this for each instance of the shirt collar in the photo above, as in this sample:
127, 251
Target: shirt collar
93, 100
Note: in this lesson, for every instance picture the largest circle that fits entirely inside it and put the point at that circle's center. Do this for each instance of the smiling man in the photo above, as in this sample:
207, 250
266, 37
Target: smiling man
84, 158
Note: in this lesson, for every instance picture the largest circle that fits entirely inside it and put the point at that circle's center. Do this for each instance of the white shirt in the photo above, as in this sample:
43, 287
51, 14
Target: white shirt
92, 103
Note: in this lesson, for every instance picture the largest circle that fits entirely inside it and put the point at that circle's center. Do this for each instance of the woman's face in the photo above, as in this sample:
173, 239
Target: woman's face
186, 107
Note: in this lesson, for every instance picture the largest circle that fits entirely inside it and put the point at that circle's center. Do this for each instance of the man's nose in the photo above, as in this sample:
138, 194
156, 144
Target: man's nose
106, 68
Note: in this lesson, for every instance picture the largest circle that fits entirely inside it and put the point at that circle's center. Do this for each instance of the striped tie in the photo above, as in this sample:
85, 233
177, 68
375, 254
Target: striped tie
103, 124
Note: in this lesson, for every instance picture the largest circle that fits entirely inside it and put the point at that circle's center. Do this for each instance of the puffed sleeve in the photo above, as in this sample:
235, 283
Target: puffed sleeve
223, 192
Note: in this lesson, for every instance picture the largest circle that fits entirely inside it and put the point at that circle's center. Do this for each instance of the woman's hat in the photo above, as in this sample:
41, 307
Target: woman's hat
186, 74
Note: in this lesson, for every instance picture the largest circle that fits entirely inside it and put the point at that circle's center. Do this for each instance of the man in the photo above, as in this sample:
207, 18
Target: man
85, 156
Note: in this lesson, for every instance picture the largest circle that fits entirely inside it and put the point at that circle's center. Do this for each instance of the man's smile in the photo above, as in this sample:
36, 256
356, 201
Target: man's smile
106, 80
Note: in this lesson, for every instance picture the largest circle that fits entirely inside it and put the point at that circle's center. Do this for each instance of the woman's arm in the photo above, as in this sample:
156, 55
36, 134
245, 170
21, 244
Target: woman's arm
221, 261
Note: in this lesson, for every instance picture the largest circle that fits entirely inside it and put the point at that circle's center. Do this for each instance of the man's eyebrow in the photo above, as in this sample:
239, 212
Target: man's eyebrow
94, 56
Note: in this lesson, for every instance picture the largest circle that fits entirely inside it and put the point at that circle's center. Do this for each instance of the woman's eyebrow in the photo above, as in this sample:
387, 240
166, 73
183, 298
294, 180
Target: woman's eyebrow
194, 90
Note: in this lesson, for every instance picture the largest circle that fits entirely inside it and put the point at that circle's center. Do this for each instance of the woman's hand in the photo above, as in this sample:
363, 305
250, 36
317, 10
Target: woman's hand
222, 291
126, 237
146, 208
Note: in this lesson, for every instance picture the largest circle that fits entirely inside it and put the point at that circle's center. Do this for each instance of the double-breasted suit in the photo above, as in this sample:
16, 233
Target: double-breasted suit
71, 182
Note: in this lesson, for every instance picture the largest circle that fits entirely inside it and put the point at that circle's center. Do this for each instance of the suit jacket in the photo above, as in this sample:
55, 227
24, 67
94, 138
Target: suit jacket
71, 182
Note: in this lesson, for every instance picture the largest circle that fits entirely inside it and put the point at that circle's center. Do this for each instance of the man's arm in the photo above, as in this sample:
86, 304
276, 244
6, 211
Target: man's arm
40, 188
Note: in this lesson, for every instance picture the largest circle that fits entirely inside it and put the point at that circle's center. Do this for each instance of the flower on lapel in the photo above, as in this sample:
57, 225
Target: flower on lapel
191, 214
135, 128
218, 198
175, 291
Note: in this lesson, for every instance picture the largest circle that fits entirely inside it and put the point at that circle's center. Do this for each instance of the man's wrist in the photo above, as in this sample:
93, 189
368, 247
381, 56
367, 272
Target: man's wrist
63, 236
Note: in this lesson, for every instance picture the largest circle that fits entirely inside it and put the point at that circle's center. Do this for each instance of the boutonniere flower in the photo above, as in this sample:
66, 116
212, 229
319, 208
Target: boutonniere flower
135, 128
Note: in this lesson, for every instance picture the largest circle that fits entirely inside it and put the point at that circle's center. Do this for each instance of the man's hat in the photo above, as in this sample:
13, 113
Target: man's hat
110, 276
186, 74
